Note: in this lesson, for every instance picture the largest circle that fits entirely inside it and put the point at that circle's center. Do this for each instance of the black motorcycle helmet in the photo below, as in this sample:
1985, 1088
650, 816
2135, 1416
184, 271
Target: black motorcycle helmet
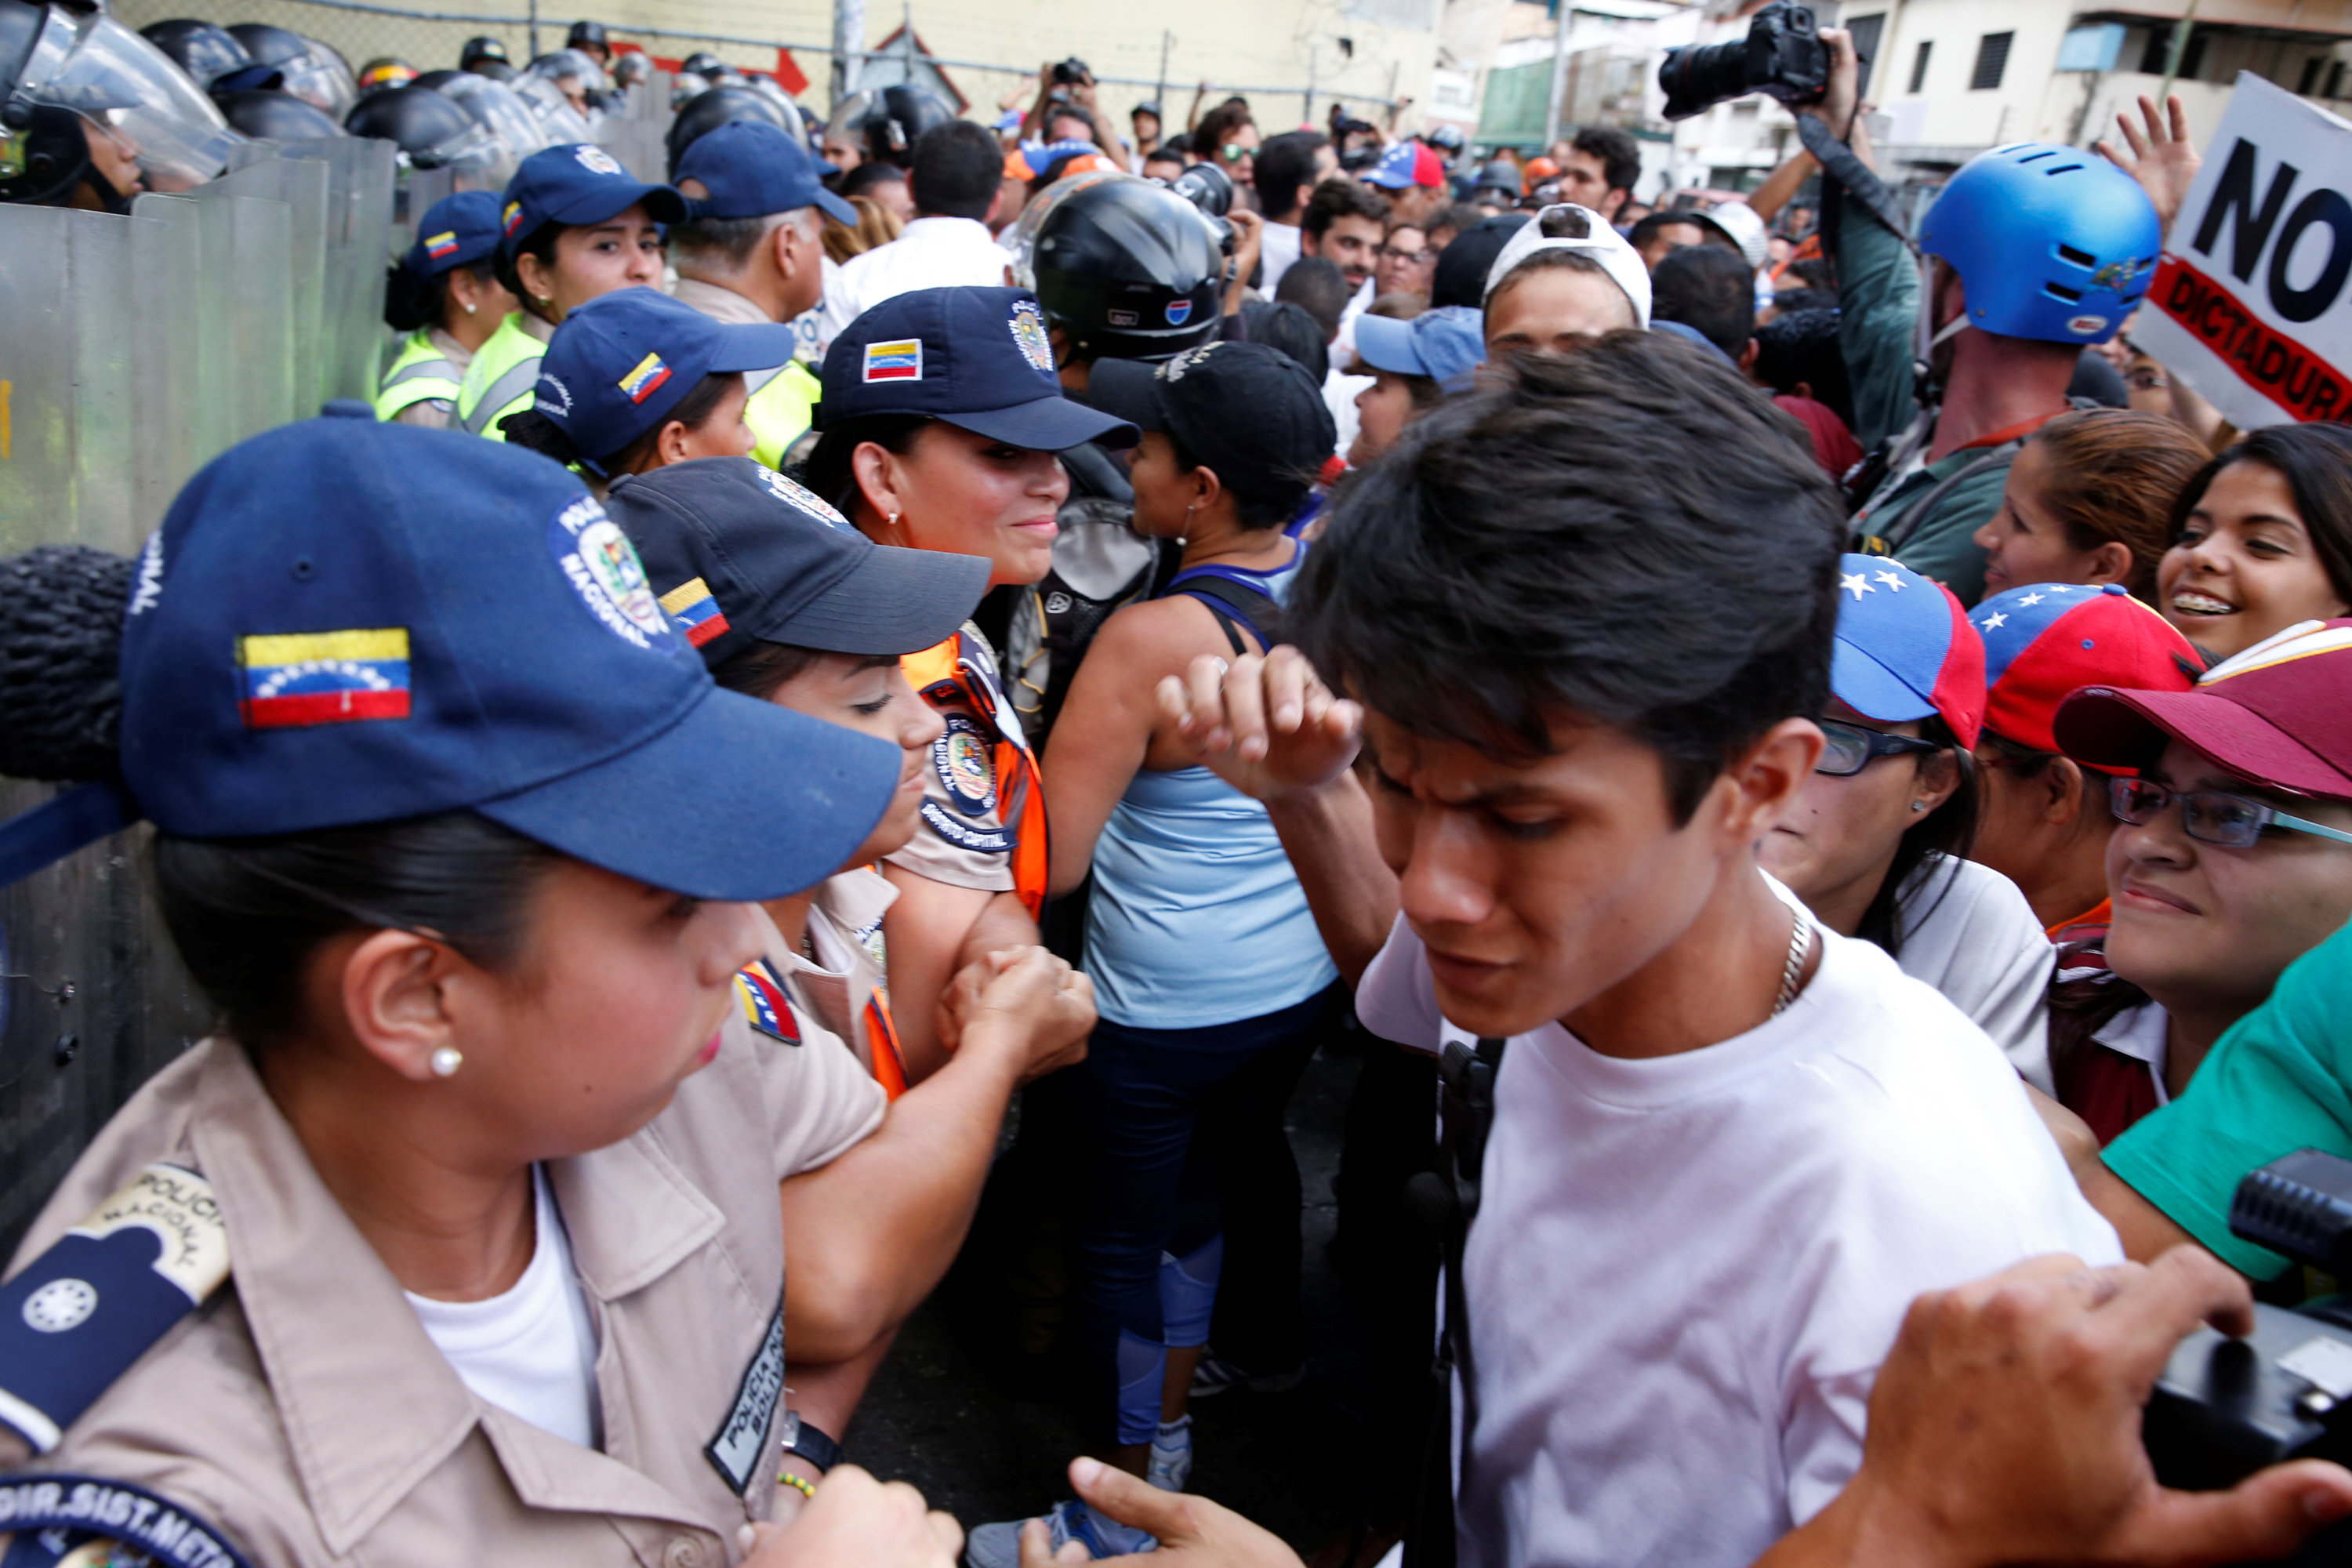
707, 111
885, 120
1447, 138
587, 36
278, 116
436, 81
206, 52
1125, 267
702, 62
431, 131
478, 49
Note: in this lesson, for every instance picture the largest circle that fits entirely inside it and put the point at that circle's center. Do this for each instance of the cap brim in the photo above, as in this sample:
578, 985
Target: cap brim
2107, 726
831, 205
662, 204
740, 800
1871, 689
758, 345
1385, 344
1127, 389
1047, 425
895, 601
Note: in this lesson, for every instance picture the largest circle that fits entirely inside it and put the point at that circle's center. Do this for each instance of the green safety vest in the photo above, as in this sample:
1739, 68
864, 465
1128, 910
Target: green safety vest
501, 379
421, 372
778, 412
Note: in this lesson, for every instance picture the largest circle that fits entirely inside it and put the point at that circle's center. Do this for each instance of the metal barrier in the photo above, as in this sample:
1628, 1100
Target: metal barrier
135, 350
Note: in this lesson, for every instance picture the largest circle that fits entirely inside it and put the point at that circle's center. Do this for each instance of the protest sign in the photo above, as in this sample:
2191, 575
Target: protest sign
2249, 304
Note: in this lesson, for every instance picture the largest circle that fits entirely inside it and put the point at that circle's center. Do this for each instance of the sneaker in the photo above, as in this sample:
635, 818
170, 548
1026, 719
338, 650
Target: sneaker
1215, 1376
1171, 1455
998, 1546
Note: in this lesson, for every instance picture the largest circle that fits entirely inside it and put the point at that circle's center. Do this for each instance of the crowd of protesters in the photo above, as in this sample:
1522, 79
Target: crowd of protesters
1836, 866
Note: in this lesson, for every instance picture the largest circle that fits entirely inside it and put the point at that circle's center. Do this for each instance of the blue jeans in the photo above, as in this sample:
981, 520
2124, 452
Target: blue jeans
1166, 1111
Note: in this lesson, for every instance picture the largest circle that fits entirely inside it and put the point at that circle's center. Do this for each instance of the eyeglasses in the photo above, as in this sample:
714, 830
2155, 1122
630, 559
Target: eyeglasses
1410, 257
1232, 152
1852, 748
2230, 820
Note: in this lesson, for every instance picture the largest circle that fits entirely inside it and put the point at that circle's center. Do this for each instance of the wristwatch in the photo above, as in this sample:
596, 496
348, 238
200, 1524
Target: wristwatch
809, 1442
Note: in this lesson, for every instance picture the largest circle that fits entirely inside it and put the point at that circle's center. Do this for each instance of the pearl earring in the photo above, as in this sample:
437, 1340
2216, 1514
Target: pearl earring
1918, 805
470, 308
447, 1061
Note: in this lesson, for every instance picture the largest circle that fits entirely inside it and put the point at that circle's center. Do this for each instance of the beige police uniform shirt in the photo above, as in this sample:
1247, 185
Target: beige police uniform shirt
961, 842
835, 1102
304, 1415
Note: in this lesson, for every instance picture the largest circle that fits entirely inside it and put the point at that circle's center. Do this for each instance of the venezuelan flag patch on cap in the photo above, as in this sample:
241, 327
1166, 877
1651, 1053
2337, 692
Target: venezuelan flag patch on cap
645, 379
765, 1007
441, 245
323, 677
899, 360
694, 612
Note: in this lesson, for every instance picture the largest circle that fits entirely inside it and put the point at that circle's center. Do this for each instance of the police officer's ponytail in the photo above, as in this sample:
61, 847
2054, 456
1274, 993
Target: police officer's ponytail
540, 242
412, 303
61, 661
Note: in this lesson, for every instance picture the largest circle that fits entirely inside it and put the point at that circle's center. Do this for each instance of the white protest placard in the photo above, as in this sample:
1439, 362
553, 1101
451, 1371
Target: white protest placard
2249, 303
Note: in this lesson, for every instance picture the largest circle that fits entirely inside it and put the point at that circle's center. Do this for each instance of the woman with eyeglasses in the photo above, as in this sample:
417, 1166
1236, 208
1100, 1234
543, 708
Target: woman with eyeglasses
1877, 844
2231, 857
1405, 263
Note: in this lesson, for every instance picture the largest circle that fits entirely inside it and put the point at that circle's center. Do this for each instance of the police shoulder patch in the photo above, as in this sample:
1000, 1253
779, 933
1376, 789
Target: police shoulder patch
961, 757
83, 1522
738, 1447
765, 1006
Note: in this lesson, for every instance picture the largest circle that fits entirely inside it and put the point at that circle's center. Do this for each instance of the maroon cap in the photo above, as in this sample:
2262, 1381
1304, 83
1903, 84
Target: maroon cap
2279, 713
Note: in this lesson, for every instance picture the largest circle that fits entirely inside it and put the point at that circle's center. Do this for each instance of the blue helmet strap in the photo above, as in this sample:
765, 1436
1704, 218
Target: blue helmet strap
55, 829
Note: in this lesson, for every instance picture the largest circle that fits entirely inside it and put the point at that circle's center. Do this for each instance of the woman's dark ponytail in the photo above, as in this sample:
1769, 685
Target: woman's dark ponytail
61, 662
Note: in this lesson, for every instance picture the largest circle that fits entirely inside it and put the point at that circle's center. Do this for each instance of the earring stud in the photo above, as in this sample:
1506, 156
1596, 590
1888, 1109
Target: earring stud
447, 1061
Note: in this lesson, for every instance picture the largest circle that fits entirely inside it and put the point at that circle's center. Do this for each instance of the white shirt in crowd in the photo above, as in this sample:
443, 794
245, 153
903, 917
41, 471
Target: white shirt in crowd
1970, 934
531, 1350
1685, 1270
2144, 1033
932, 253
1277, 249
1339, 390
808, 327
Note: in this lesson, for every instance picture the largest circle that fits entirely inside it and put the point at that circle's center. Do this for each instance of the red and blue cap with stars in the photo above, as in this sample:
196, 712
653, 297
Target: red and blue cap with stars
2045, 641
1904, 648
1406, 165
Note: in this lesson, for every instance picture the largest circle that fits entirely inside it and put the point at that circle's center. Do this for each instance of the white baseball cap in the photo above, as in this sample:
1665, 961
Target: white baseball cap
1739, 223
1620, 261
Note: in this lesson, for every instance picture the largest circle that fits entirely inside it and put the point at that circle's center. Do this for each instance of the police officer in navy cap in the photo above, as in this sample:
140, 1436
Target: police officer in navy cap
752, 251
634, 381
446, 295
575, 225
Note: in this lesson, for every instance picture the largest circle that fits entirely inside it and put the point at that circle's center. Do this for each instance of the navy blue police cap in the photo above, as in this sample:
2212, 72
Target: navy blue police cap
619, 363
976, 358
739, 555
577, 183
345, 622
748, 168
457, 231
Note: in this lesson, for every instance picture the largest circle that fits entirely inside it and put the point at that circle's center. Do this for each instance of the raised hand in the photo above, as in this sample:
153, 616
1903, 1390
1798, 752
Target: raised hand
1268, 727
2163, 159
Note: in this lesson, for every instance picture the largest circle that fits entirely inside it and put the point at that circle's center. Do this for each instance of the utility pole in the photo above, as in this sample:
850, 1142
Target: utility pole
848, 47
1556, 103
534, 30
2172, 55
1160, 94
1307, 104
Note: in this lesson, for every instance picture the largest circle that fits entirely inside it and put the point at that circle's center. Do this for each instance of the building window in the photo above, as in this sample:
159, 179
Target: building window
2335, 80
1919, 64
2310, 76
1992, 59
2192, 59
1865, 31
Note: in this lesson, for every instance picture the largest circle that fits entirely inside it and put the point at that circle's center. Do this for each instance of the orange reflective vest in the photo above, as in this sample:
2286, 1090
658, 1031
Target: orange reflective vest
955, 675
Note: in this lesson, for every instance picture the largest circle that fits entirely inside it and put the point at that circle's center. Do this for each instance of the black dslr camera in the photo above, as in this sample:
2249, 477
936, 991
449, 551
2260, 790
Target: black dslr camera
2224, 1408
1782, 56
1071, 72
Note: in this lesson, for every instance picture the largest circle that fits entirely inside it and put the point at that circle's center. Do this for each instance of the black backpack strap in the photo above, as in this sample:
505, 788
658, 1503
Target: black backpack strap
1920, 511
1448, 1196
1230, 601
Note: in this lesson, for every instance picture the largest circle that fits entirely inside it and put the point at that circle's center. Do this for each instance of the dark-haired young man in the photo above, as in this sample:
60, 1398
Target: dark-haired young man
1711, 292
1345, 222
1600, 170
1289, 168
1727, 1148
957, 180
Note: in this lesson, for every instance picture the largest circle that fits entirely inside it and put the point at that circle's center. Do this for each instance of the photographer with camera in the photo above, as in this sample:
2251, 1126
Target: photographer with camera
2034, 253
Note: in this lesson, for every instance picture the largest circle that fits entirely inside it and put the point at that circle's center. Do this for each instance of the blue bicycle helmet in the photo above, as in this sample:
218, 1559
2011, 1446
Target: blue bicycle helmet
2051, 242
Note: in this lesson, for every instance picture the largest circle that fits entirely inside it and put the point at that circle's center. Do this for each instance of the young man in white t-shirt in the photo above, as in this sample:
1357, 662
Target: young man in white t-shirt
1587, 615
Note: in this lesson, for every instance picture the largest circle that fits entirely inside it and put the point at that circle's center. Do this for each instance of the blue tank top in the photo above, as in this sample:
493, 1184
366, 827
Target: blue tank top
1197, 917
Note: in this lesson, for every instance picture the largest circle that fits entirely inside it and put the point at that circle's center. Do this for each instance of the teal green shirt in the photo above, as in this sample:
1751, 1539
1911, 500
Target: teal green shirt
2280, 1080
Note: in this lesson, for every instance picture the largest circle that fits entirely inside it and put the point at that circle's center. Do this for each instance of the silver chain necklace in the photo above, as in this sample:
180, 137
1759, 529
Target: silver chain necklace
1800, 931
